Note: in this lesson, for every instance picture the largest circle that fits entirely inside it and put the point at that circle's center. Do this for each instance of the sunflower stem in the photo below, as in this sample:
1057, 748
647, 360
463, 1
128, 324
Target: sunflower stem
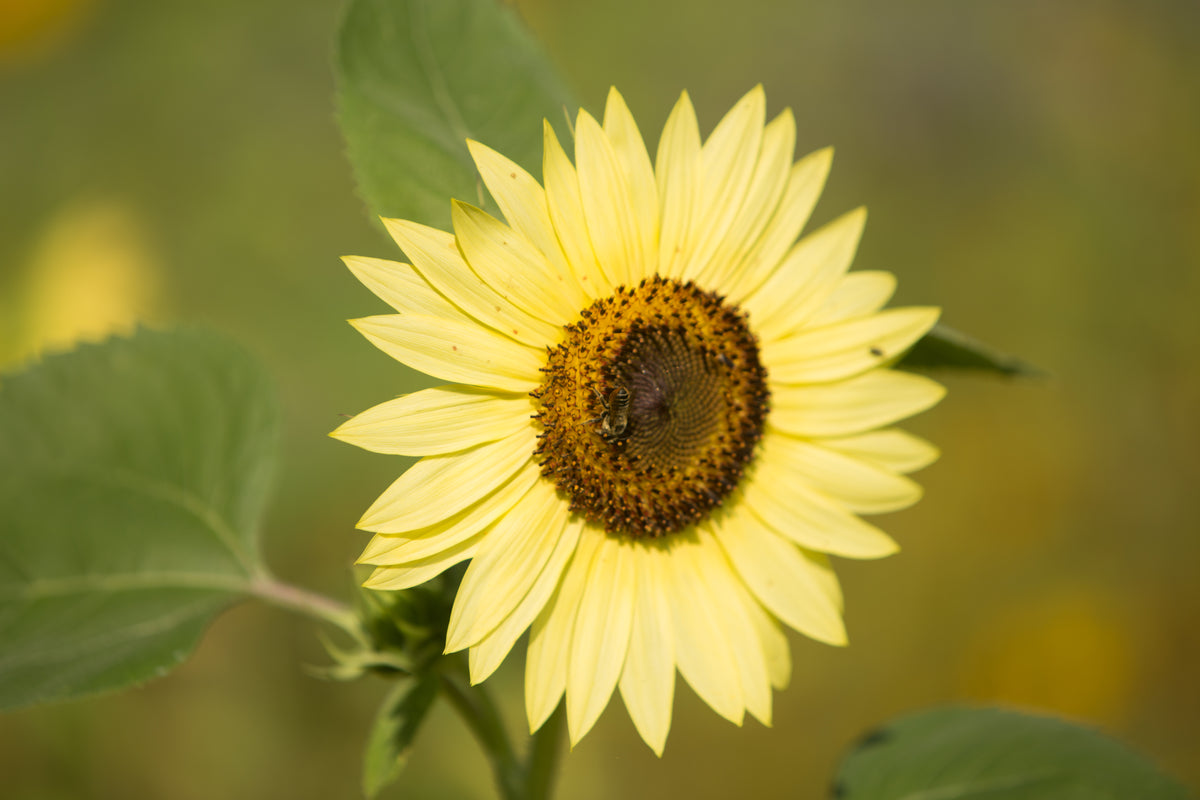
544, 750
477, 709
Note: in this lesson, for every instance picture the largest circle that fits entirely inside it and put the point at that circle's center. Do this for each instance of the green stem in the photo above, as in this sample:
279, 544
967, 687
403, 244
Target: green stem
477, 710
302, 601
544, 750
533, 780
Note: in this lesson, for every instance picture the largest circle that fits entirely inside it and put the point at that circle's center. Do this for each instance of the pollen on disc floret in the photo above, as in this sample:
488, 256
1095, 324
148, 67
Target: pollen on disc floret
651, 407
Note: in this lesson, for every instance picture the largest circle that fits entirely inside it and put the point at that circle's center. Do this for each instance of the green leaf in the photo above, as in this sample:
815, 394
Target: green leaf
945, 347
395, 728
132, 479
417, 78
990, 754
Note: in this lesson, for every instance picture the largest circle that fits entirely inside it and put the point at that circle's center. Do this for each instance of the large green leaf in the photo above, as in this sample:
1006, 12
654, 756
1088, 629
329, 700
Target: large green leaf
417, 78
132, 477
990, 754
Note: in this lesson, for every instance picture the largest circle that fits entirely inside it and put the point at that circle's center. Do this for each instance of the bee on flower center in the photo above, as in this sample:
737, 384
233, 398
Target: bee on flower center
614, 422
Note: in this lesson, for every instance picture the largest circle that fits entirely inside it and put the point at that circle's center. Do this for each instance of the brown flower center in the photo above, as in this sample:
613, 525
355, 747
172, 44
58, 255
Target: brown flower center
651, 408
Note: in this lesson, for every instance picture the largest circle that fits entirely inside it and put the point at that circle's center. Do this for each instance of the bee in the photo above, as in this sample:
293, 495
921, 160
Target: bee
614, 422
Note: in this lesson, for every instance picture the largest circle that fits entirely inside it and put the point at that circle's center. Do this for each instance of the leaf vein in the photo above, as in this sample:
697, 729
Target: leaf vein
431, 66
97, 644
187, 500
958, 791
132, 581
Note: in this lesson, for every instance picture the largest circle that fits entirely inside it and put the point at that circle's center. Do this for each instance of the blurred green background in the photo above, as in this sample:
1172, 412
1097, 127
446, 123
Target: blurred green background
1030, 166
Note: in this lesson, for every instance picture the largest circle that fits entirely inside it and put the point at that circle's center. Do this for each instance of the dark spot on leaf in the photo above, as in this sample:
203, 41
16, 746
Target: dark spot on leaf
873, 738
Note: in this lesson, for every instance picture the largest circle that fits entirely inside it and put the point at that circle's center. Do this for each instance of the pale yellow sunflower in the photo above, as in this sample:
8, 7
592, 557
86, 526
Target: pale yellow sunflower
665, 411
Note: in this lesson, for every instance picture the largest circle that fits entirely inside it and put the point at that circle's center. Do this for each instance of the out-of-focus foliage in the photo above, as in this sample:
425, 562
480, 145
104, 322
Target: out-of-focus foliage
945, 347
963, 753
1030, 167
134, 479
29, 29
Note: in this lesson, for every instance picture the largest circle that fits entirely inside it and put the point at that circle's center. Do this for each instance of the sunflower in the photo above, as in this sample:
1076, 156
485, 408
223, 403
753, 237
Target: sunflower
664, 411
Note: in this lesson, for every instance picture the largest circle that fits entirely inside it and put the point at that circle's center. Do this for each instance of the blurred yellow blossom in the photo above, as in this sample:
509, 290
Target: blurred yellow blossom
90, 275
1071, 649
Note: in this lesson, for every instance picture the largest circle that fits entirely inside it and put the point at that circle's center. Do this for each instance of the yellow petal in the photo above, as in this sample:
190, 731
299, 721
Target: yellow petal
727, 160
631, 153
796, 586
729, 594
701, 649
486, 656
648, 677
397, 549
454, 351
601, 636
766, 187
891, 449
418, 572
814, 521
858, 485
773, 641
506, 261
867, 401
522, 200
608, 205
550, 636
807, 517
807, 277
436, 256
806, 179
437, 421
836, 352
678, 174
508, 561
437, 487
401, 286
858, 294
565, 205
